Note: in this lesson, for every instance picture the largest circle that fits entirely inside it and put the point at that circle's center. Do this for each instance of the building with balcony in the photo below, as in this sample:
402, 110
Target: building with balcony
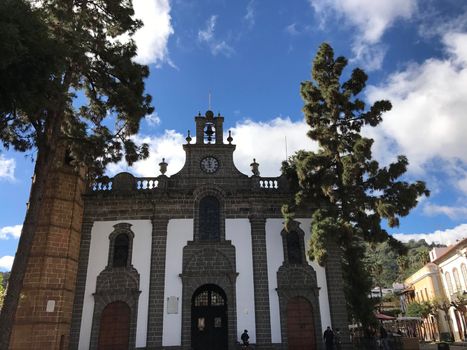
452, 263
425, 286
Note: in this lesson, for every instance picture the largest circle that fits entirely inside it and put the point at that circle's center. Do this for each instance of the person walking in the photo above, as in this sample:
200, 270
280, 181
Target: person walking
245, 338
329, 338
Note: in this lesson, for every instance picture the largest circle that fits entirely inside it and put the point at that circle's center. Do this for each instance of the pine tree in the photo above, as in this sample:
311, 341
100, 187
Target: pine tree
68, 79
382, 255
2, 290
349, 191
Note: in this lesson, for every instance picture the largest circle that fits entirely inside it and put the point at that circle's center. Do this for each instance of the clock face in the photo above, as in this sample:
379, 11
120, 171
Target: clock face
209, 165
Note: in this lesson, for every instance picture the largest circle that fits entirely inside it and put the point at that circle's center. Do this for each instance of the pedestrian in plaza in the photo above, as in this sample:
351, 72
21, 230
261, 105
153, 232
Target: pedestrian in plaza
245, 338
329, 338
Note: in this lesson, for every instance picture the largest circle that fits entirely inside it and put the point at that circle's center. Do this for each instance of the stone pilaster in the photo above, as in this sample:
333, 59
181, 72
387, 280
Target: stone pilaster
260, 278
336, 295
157, 282
80, 284
199, 130
218, 123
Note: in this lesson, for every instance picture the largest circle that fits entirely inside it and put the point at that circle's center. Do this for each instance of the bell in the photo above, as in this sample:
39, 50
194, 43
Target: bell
209, 132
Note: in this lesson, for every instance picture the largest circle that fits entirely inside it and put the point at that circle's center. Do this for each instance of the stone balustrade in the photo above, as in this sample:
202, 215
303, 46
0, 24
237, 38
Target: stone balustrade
101, 186
146, 183
271, 183
125, 182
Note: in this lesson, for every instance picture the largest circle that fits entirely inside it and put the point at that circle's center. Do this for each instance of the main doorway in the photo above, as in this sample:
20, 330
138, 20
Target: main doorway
114, 332
209, 318
300, 325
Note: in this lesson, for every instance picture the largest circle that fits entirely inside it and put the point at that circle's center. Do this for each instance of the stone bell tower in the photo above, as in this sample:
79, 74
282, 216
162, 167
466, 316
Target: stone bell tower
208, 156
44, 311
209, 128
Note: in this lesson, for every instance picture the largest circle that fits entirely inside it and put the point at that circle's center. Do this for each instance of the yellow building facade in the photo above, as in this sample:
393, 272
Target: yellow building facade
425, 285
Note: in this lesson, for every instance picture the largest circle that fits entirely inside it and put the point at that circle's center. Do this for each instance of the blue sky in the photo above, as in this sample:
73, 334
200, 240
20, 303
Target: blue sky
251, 56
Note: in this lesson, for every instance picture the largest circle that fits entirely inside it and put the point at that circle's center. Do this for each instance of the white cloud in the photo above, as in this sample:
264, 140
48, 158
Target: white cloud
371, 18
10, 231
168, 146
451, 212
7, 168
221, 47
462, 184
207, 36
250, 14
428, 120
456, 44
435, 22
153, 119
153, 37
264, 141
292, 29
371, 56
6, 262
447, 237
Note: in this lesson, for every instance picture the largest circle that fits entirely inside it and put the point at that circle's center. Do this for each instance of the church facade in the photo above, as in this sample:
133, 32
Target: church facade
192, 260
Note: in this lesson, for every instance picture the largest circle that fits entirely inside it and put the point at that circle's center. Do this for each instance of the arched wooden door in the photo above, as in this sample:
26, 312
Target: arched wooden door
300, 325
114, 332
209, 318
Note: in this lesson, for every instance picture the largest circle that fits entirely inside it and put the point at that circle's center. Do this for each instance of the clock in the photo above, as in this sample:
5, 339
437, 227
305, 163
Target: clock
209, 165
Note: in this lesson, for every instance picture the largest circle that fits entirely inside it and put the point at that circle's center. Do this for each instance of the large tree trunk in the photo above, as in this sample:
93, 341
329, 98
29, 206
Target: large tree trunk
42, 169
336, 294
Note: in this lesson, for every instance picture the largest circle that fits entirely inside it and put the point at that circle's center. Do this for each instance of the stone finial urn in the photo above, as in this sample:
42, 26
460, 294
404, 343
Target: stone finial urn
254, 168
163, 166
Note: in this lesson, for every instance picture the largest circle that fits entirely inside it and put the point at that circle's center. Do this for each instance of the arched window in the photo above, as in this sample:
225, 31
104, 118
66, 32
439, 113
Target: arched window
449, 282
293, 248
209, 218
464, 274
121, 250
457, 280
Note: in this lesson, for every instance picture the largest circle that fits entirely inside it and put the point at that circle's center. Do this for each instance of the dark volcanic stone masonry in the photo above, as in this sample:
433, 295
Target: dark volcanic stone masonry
209, 171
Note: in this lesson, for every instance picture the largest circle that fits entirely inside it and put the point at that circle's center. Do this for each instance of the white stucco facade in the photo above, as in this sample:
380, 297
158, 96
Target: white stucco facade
179, 232
275, 254
453, 268
239, 232
98, 258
